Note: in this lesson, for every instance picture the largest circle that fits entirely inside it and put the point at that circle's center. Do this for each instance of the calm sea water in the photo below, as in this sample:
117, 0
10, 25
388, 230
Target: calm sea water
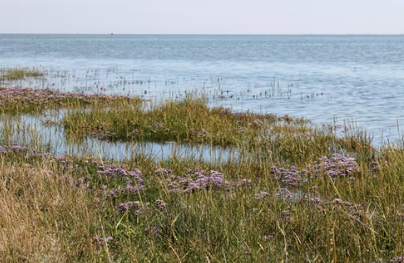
359, 78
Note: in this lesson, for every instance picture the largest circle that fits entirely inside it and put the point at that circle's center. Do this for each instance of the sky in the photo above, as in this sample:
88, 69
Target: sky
202, 16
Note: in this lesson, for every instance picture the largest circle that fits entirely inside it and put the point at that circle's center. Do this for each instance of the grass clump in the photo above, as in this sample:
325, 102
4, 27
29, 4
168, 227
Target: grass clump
9, 74
190, 120
25, 100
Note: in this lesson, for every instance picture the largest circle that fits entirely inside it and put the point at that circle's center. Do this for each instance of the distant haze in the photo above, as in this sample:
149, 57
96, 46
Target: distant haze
202, 17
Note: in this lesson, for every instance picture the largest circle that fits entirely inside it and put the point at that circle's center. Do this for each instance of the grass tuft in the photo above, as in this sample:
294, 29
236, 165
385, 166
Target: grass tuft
9, 74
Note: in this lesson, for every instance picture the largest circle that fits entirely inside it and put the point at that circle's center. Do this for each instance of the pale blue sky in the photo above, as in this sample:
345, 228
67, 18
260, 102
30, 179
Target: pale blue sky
203, 16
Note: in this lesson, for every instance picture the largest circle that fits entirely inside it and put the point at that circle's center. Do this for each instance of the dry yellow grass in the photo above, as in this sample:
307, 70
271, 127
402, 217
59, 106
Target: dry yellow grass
40, 216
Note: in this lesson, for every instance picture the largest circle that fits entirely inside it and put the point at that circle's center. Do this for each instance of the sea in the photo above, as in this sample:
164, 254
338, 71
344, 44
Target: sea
329, 79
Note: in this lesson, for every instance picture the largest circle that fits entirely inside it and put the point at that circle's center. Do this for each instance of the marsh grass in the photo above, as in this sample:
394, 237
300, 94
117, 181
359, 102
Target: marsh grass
192, 121
8, 74
288, 204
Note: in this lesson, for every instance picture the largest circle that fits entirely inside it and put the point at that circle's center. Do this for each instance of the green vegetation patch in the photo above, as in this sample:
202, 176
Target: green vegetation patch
192, 121
19, 73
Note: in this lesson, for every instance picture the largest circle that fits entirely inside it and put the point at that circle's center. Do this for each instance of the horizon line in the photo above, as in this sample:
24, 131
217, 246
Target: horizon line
212, 34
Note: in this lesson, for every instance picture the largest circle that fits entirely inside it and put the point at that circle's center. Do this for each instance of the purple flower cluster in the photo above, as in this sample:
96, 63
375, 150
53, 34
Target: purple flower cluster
160, 204
122, 173
159, 126
163, 172
81, 183
201, 180
128, 189
397, 259
14, 148
66, 164
286, 214
38, 153
133, 205
291, 177
100, 164
134, 189
284, 193
261, 195
338, 166
123, 207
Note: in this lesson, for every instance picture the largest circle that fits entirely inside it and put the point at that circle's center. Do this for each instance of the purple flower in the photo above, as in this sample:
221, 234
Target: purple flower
135, 189
261, 195
123, 207
156, 230
200, 180
163, 171
159, 126
160, 204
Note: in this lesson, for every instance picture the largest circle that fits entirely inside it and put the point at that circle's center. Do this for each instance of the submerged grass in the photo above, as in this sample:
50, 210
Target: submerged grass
7, 74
